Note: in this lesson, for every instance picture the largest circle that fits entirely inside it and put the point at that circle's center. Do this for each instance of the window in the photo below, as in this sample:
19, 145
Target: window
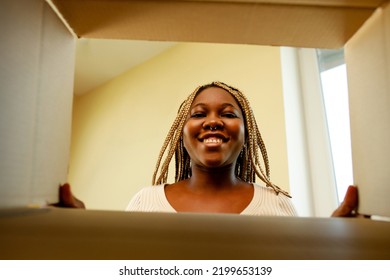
335, 95
317, 128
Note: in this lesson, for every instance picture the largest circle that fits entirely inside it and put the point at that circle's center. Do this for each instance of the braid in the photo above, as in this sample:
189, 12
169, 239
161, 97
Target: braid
175, 143
248, 164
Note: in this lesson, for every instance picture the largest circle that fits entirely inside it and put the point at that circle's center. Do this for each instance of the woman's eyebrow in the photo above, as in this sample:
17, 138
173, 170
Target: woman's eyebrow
224, 105
199, 105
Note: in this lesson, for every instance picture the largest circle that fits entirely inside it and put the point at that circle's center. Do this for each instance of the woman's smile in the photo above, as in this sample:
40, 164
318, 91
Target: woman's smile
213, 139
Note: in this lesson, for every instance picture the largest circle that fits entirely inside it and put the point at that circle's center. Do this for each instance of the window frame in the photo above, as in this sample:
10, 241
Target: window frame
310, 163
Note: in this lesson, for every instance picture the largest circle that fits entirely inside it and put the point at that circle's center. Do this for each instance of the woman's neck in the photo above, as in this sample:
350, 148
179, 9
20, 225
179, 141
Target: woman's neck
213, 179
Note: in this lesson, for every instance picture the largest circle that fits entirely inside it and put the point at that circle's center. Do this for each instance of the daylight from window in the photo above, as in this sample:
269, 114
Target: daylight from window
335, 94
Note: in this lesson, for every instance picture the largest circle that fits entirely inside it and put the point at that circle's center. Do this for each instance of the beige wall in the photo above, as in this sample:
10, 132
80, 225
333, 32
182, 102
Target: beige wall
118, 128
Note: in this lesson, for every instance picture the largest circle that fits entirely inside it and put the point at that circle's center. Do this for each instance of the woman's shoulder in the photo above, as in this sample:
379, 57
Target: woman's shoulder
269, 191
149, 199
150, 190
147, 192
267, 202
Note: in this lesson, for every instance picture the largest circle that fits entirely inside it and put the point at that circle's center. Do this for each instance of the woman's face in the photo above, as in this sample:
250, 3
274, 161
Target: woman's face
214, 133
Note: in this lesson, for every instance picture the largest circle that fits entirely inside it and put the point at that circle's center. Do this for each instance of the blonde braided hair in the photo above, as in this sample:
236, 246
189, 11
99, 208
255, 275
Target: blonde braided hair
248, 164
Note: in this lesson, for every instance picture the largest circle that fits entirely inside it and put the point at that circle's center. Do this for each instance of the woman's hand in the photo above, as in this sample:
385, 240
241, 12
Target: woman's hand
67, 199
349, 206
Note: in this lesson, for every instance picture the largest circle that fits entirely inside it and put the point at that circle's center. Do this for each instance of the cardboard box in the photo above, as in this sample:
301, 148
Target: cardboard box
36, 91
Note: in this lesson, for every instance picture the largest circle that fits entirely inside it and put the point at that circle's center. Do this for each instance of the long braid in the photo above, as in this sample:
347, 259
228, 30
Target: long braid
248, 164
173, 140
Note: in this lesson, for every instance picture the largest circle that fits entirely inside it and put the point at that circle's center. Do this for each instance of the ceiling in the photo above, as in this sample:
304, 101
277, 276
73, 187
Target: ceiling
100, 60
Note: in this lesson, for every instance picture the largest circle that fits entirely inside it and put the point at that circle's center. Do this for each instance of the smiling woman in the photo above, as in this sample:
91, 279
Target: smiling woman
217, 148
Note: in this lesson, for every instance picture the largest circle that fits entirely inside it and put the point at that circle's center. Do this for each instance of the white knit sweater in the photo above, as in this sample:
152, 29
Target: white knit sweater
265, 202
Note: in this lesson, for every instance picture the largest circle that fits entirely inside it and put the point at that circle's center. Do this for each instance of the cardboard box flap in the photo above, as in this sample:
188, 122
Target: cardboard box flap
330, 3
304, 23
367, 53
68, 234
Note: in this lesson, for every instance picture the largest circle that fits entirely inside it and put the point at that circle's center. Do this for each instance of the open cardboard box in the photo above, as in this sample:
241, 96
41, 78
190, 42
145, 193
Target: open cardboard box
38, 60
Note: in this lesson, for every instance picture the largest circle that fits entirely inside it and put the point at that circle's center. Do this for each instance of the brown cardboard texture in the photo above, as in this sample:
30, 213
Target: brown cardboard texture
305, 23
93, 235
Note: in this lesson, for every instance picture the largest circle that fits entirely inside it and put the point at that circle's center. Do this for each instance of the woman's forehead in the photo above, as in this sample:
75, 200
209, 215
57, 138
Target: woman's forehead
214, 96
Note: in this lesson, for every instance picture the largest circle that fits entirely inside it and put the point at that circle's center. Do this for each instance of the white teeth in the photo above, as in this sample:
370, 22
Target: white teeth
212, 140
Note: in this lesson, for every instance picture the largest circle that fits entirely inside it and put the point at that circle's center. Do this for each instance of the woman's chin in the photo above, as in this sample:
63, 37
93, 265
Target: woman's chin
215, 164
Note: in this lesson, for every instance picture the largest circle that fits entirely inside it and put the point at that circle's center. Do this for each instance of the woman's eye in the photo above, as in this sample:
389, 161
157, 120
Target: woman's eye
229, 115
197, 115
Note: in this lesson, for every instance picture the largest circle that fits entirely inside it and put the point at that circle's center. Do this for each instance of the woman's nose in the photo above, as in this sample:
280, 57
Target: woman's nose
213, 123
